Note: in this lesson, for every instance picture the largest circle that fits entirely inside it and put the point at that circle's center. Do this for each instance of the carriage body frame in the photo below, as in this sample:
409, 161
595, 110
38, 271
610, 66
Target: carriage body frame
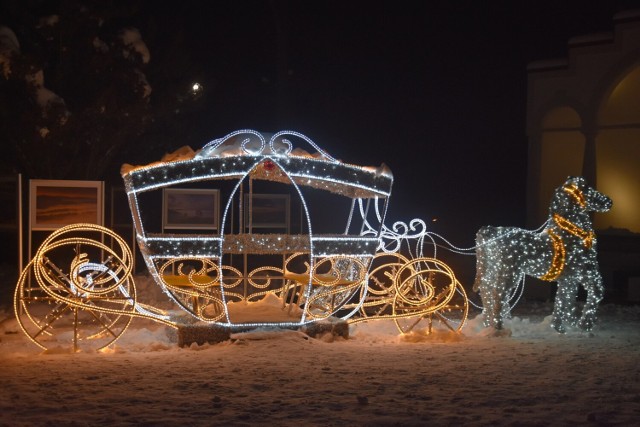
335, 284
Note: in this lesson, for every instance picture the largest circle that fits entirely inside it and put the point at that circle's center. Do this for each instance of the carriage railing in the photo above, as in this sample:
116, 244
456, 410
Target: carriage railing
209, 271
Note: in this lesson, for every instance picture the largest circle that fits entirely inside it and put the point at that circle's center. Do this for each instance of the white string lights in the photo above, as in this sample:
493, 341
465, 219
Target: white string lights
374, 272
564, 251
247, 154
190, 269
244, 155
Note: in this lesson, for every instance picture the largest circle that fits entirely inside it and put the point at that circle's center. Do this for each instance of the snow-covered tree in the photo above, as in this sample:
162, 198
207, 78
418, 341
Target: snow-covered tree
73, 89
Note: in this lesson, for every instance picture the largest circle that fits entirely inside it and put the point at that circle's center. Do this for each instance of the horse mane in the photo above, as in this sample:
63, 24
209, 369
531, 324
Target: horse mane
569, 203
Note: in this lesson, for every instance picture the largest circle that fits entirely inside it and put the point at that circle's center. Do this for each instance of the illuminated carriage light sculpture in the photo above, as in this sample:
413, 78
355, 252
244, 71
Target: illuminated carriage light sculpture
91, 303
207, 286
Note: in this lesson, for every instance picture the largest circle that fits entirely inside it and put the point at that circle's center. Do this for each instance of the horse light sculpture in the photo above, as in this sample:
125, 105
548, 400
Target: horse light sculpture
565, 251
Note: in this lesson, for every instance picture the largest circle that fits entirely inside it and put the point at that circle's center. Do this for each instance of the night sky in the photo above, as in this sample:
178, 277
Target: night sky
434, 89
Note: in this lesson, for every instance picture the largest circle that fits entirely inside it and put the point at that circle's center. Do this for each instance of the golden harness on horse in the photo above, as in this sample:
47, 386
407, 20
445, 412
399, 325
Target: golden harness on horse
559, 251
559, 256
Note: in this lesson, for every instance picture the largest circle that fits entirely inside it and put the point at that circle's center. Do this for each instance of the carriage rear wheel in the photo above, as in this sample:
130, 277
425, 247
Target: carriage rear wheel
380, 287
77, 291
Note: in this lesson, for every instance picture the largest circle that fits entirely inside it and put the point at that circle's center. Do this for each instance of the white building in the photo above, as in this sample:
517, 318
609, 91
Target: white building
583, 118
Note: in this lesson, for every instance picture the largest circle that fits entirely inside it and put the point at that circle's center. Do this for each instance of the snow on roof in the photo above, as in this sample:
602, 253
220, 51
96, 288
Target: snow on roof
224, 150
245, 148
183, 153
238, 146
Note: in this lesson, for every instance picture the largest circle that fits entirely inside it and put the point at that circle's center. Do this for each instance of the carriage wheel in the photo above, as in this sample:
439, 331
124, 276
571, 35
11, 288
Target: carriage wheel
428, 298
380, 288
77, 291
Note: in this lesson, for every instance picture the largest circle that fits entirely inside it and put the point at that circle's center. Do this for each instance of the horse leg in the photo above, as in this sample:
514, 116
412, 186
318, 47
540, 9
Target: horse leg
488, 279
564, 307
487, 295
595, 292
495, 303
495, 315
492, 292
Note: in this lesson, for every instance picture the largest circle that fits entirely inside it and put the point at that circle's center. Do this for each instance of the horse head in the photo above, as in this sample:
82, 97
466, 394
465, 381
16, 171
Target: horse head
578, 196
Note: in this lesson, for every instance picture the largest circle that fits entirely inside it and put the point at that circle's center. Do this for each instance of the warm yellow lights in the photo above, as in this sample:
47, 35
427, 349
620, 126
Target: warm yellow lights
328, 285
587, 237
84, 292
414, 291
87, 305
577, 195
558, 258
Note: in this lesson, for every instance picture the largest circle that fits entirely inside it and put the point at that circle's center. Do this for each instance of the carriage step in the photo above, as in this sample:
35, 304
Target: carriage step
213, 334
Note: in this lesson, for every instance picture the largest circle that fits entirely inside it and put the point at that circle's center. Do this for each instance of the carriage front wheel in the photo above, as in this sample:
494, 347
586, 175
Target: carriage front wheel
428, 297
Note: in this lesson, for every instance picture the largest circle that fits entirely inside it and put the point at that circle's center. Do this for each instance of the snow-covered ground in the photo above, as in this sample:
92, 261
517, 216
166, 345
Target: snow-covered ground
281, 377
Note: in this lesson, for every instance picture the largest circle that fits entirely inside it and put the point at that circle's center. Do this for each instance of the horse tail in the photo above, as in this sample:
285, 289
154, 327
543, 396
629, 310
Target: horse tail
481, 249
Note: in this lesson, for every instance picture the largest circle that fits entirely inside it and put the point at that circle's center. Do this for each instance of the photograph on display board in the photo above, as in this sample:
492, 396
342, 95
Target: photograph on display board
186, 208
267, 211
56, 203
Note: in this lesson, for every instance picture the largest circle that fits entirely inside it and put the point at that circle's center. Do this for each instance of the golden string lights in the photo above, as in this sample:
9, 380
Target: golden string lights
587, 237
558, 258
90, 295
78, 290
419, 293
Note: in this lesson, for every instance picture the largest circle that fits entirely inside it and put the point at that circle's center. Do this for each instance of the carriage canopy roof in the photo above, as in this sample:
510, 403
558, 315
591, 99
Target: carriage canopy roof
274, 159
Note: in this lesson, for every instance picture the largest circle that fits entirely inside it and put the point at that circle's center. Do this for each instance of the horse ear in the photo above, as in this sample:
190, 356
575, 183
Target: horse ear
575, 180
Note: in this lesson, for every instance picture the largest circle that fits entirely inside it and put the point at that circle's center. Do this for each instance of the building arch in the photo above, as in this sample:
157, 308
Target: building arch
605, 86
618, 149
591, 81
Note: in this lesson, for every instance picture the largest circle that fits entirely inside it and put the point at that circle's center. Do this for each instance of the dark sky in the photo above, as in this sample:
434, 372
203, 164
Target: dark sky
435, 89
